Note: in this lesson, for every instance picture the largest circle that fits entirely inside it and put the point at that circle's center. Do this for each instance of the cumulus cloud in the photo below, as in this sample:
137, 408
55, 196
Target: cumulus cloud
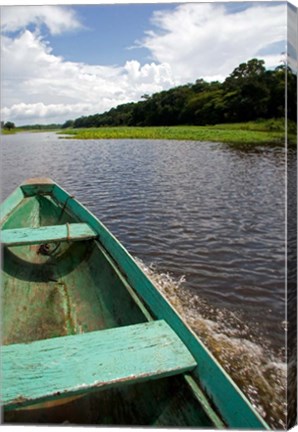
38, 85
190, 41
205, 39
57, 19
40, 110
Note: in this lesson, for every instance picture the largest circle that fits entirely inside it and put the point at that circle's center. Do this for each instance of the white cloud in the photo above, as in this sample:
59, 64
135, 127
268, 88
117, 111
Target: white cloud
189, 42
205, 40
57, 19
39, 86
42, 111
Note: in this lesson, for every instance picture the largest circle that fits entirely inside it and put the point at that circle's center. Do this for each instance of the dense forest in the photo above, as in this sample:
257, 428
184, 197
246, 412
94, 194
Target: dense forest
250, 92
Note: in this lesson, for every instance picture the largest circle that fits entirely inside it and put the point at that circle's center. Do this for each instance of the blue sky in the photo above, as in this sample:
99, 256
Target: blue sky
61, 62
109, 31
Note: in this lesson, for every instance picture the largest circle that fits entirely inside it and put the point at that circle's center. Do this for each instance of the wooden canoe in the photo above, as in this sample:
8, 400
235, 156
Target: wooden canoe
87, 338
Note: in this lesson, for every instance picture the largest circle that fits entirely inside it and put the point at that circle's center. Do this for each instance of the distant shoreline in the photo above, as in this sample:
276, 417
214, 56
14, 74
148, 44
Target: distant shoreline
261, 132
252, 133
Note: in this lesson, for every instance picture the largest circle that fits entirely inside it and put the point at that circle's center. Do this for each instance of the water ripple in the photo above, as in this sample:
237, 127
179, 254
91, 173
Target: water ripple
213, 213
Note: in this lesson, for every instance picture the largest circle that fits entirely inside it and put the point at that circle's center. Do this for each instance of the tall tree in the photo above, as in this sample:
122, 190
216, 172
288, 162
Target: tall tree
9, 125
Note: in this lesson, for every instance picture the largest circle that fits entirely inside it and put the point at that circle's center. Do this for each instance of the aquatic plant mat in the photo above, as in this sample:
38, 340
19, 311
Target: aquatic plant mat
252, 133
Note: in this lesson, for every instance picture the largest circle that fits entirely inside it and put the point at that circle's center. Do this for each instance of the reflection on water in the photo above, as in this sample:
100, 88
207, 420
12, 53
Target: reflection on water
212, 214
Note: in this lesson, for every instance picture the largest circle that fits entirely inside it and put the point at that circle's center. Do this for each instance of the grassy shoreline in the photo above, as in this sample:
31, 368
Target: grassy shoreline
260, 132
253, 133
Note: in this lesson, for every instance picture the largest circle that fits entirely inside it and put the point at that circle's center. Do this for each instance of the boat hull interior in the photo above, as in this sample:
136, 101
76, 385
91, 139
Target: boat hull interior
74, 287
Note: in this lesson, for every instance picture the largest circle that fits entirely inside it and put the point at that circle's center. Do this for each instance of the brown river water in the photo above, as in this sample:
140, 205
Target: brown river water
206, 222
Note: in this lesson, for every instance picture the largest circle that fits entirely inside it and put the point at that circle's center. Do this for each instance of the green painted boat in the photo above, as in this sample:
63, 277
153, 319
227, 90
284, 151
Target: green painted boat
86, 336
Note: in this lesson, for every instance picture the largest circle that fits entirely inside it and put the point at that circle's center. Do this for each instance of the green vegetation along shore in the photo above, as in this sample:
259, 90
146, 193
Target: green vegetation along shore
262, 132
248, 107
249, 93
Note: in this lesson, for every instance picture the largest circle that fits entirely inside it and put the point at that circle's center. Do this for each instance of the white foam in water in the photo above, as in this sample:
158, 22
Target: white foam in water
247, 359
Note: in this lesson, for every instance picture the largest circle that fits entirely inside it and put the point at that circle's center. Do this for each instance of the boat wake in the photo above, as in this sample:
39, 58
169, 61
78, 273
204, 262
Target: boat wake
247, 358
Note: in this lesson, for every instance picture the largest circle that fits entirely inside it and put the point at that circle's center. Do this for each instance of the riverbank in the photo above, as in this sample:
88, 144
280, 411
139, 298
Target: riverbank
27, 131
263, 132
8, 132
260, 132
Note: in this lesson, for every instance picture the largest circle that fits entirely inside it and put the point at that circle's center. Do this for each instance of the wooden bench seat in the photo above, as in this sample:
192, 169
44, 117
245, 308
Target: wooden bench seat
47, 234
70, 365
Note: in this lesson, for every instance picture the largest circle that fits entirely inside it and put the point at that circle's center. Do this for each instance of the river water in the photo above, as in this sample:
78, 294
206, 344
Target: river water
207, 223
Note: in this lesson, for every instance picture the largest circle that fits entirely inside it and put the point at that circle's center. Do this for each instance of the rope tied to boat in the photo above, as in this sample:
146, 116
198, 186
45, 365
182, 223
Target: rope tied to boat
64, 205
45, 248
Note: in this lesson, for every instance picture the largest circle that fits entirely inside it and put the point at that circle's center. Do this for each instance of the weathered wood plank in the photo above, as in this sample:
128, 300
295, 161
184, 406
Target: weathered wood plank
26, 236
38, 181
65, 366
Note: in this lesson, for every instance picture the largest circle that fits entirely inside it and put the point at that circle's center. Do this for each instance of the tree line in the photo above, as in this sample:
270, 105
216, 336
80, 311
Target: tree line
10, 126
249, 93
